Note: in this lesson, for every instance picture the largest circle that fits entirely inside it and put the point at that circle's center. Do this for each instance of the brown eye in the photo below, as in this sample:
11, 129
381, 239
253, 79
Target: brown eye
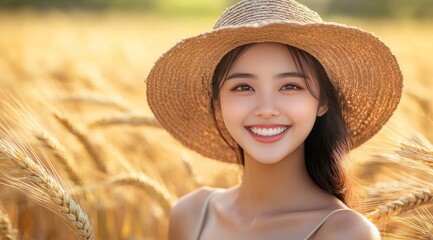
290, 87
242, 88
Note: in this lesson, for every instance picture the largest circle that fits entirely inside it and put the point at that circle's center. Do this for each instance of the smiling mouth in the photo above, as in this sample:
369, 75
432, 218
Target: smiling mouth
267, 132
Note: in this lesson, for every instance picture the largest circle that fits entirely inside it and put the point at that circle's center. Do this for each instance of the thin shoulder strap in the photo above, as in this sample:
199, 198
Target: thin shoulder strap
204, 213
324, 220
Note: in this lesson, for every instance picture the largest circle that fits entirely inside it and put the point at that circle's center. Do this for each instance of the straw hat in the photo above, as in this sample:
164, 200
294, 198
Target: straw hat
359, 65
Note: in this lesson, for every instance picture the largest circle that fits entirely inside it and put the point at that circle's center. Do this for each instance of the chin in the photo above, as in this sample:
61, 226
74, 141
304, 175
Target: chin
266, 159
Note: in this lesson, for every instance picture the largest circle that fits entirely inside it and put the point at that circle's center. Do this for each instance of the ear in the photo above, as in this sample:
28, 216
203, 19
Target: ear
322, 110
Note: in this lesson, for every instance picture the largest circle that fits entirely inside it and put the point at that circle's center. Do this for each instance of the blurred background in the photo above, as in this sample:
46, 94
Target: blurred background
358, 8
88, 59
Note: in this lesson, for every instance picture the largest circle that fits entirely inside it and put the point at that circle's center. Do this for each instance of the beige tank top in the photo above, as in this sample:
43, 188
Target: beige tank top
214, 193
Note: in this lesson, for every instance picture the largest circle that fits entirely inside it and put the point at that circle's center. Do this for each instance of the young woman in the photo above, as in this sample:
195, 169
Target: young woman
286, 95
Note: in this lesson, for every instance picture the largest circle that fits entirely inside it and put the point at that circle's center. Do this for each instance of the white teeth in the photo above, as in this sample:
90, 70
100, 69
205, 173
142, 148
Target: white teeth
268, 131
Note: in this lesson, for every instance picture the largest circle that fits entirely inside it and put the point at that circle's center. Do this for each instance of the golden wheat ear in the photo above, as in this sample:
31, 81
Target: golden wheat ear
417, 225
419, 151
84, 139
130, 119
65, 158
401, 205
155, 190
6, 231
96, 99
45, 188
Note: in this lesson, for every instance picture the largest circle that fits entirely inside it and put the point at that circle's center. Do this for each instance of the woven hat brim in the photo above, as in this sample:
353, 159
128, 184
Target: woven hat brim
360, 66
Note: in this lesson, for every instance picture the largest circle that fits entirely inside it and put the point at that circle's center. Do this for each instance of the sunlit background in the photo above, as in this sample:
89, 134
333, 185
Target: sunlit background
73, 100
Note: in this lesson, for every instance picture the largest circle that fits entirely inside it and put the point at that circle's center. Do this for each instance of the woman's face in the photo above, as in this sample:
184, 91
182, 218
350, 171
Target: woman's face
266, 105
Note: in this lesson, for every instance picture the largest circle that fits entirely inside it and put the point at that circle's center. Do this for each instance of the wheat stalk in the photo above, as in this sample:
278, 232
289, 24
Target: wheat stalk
6, 232
131, 119
190, 172
82, 137
401, 205
62, 155
95, 99
148, 185
59, 197
421, 100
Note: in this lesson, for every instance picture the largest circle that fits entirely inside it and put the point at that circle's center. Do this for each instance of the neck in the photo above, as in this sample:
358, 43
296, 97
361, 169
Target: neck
282, 186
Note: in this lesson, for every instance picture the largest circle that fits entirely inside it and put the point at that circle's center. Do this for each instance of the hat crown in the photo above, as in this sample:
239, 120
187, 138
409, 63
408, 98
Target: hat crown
260, 11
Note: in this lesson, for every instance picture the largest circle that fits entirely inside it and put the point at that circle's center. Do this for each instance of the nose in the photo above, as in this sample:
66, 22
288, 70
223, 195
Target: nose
266, 106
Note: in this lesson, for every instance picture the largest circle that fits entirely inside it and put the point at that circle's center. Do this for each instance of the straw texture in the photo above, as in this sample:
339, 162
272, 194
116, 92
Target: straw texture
360, 66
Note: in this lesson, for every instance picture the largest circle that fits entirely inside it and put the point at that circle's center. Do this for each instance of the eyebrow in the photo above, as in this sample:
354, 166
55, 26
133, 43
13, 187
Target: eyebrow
252, 76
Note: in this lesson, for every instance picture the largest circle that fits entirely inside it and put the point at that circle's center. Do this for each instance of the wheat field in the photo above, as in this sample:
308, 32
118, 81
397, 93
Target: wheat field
81, 156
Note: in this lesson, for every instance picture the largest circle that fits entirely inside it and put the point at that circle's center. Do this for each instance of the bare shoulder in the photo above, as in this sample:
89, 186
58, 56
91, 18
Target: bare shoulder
185, 214
349, 225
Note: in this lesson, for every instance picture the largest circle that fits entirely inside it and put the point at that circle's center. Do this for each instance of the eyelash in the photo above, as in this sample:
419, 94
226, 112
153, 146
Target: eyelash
293, 87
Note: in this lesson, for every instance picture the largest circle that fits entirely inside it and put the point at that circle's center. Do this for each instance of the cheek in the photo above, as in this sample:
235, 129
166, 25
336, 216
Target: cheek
302, 109
234, 108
